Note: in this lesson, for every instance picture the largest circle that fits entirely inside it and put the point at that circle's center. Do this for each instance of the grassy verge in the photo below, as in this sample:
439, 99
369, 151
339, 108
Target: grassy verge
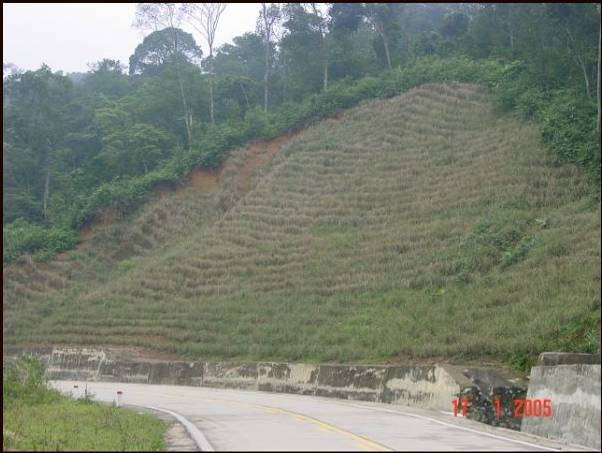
37, 418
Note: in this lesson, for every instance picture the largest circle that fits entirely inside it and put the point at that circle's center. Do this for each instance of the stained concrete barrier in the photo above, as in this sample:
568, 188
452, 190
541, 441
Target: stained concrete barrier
574, 392
567, 358
426, 386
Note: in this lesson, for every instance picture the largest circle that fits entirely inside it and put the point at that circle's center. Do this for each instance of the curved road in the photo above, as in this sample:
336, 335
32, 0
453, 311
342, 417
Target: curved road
245, 420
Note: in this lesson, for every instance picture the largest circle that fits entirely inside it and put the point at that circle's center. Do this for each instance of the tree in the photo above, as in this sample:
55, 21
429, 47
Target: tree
455, 24
599, 50
266, 24
106, 79
384, 18
302, 50
132, 150
34, 123
322, 29
578, 23
158, 49
239, 70
167, 16
350, 51
345, 18
9, 69
204, 17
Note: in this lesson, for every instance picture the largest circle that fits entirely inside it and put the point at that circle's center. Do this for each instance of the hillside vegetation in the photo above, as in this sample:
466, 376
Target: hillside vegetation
77, 144
38, 418
424, 225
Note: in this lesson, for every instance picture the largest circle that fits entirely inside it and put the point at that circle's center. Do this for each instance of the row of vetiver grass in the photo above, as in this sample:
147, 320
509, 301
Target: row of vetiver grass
36, 418
424, 225
568, 131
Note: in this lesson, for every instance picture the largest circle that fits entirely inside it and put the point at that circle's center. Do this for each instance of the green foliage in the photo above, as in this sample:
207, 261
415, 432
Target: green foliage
569, 130
518, 252
133, 150
161, 47
495, 240
22, 237
109, 140
523, 361
24, 381
125, 266
361, 287
579, 335
38, 418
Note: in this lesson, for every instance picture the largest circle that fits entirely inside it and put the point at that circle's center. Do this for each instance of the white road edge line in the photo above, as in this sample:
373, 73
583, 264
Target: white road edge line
196, 434
461, 427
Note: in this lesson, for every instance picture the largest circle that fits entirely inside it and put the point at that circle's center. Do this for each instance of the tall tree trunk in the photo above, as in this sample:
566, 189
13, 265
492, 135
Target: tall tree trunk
211, 77
598, 94
187, 113
285, 82
585, 76
266, 75
46, 186
244, 92
581, 64
325, 59
211, 100
386, 45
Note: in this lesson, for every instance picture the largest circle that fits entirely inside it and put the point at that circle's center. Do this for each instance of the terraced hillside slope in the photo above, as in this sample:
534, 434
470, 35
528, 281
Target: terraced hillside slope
419, 226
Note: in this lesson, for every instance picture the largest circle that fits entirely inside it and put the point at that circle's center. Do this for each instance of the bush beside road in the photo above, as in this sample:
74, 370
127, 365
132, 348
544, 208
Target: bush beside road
38, 418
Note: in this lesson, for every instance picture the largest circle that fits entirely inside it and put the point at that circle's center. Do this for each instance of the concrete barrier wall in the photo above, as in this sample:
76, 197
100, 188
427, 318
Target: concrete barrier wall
574, 391
427, 386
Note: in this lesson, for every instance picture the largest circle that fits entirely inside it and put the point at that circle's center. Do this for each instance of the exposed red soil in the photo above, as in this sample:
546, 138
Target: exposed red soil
257, 155
106, 218
204, 180
337, 118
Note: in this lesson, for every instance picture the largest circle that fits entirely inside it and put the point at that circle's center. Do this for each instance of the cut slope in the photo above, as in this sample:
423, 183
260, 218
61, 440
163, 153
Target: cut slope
423, 225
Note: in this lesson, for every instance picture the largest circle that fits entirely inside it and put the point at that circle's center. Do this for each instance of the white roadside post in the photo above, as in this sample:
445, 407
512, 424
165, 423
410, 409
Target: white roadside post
76, 393
119, 398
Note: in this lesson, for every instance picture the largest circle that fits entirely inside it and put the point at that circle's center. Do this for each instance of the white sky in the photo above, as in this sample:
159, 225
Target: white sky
67, 36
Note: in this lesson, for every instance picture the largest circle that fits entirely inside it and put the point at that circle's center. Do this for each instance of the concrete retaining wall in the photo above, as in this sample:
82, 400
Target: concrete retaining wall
574, 391
427, 386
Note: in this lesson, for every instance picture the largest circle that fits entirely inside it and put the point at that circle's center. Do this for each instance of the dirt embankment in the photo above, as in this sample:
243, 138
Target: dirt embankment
207, 180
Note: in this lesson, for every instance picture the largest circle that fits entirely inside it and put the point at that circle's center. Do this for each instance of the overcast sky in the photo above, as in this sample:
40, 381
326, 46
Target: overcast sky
67, 36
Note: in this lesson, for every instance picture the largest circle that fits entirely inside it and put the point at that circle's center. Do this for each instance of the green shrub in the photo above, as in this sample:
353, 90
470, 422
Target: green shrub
531, 103
125, 265
24, 381
37, 418
518, 252
569, 129
578, 335
21, 237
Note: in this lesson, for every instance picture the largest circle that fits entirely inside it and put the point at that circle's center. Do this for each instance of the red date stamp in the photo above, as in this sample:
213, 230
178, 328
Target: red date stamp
522, 408
532, 408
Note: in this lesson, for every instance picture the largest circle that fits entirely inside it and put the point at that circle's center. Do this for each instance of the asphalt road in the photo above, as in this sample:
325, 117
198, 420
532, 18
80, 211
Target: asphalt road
243, 420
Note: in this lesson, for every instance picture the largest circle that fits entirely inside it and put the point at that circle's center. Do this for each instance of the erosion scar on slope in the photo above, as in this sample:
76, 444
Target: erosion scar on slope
206, 180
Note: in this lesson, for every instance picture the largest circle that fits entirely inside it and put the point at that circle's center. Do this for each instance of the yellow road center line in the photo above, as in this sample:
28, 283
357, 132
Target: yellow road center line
363, 443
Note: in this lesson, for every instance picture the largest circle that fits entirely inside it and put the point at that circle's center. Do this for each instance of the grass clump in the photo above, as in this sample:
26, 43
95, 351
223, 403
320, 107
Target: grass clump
37, 418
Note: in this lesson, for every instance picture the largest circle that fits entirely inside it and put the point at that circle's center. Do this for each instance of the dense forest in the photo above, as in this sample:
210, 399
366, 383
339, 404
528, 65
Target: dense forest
76, 144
